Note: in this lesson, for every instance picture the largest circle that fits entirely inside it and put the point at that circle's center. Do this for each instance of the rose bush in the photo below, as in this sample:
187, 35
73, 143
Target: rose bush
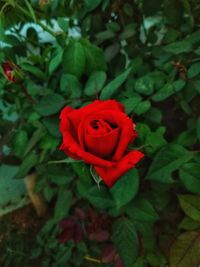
99, 134
145, 58
9, 71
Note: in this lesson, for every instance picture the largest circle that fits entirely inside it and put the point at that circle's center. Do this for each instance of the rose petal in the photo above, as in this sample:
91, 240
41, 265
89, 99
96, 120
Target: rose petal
121, 120
112, 174
77, 115
64, 117
103, 145
69, 153
70, 146
97, 127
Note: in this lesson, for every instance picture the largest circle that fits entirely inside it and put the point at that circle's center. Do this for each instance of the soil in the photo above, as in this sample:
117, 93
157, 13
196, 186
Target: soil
17, 232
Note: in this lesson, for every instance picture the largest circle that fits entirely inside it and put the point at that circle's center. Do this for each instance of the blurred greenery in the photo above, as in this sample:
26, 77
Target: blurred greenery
146, 55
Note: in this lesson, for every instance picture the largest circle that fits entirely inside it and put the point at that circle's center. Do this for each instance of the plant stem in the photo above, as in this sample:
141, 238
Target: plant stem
88, 258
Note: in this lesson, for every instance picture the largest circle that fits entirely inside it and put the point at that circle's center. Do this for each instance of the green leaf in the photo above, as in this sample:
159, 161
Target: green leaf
74, 59
99, 197
49, 142
196, 85
111, 51
105, 35
198, 128
131, 103
113, 86
154, 115
188, 224
58, 176
156, 258
20, 141
84, 182
126, 188
69, 84
142, 107
2, 27
168, 89
128, 31
48, 192
194, 70
31, 10
194, 37
141, 210
50, 104
189, 176
35, 138
150, 9
63, 24
140, 262
28, 163
55, 60
173, 11
168, 159
95, 83
136, 64
155, 140
143, 215
63, 204
178, 85
95, 59
82, 170
146, 230
144, 85
185, 251
190, 204
63, 255
124, 236
52, 125
33, 70
91, 4
178, 47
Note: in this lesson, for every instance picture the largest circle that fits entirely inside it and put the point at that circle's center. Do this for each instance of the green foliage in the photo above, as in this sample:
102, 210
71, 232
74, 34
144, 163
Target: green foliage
126, 188
95, 83
167, 160
190, 204
74, 58
113, 86
185, 250
125, 239
189, 176
49, 104
64, 200
144, 54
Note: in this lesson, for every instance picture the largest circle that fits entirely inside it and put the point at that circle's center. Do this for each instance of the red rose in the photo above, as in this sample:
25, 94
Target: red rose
99, 134
9, 71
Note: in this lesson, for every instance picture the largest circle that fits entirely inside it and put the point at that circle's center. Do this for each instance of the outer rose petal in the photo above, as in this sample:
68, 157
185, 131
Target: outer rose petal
111, 175
70, 154
64, 117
